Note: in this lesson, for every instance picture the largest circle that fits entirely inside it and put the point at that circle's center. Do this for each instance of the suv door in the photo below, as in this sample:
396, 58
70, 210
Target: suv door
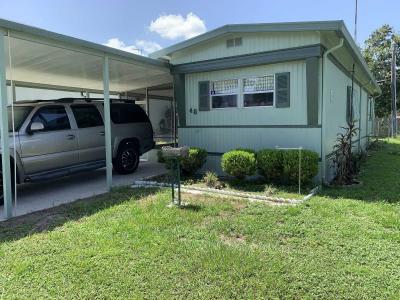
90, 132
53, 147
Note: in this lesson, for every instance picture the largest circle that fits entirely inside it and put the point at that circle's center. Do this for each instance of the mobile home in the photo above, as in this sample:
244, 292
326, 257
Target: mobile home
271, 85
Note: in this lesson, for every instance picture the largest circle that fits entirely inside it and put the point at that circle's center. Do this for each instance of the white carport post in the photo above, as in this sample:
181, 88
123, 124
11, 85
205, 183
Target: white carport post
5, 141
107, 121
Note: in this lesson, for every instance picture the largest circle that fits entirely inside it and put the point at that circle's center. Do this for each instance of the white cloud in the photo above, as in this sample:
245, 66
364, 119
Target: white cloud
118, 44
177, 26
140, 47
147, 46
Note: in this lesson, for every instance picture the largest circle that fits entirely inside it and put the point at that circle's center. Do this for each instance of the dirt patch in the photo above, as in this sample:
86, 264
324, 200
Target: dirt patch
233, 239
47, 222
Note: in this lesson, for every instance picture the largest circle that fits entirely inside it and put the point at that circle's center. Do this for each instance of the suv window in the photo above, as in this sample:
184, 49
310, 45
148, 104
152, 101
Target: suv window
52, 117
127, 113
87, 116
20, 114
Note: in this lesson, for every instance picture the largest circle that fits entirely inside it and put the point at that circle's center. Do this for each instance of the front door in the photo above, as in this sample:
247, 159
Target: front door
52, 148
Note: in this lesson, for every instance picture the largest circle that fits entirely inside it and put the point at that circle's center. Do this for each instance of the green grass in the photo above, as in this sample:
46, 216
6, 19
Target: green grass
128, 244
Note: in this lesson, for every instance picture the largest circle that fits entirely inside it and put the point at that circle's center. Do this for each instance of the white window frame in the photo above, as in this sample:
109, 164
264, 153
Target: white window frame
226, 94
240, 93
258, 92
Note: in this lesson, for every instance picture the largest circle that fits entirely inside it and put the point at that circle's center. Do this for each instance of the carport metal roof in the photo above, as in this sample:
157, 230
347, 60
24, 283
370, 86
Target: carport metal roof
40, 58
34, 57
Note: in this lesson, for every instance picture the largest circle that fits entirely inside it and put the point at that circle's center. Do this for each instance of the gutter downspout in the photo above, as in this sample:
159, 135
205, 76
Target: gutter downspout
323, 112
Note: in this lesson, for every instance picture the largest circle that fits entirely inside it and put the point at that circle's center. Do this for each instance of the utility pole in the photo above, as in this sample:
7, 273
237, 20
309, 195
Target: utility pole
355, 22
394, 90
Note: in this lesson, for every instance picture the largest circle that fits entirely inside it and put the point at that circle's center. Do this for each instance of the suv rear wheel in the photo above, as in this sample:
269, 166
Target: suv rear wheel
127, 160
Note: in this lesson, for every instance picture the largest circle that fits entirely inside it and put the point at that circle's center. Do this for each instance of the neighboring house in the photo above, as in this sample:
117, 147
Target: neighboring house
267, 85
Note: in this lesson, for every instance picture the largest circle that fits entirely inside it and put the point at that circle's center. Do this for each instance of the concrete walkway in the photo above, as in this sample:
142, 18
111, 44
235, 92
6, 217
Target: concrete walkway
41, 195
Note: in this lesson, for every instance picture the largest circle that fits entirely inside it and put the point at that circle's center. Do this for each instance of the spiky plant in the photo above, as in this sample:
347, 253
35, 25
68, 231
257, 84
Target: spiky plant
343, 157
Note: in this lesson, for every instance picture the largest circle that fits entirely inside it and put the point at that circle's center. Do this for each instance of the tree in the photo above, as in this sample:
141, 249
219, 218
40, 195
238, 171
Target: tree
378, 54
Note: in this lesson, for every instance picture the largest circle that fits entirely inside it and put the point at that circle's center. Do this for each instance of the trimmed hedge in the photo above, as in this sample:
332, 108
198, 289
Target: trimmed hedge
239, 163
189, 165
269, 163
290, 163
196, 159
283, 165
246, 150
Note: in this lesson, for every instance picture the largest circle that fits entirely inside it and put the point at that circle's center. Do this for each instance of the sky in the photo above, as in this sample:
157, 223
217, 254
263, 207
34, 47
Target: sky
145, 26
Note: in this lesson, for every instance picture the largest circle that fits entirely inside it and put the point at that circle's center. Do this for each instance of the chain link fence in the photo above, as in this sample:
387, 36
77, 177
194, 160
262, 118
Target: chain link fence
383, 127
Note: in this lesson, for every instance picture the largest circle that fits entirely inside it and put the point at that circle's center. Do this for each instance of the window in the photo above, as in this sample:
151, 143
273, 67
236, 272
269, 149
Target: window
87, 116
20, 114
224, 93
258, 91
53, 118
122, 113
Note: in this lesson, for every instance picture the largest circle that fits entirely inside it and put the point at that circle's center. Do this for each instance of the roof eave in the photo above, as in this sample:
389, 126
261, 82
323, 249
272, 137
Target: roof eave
242, 28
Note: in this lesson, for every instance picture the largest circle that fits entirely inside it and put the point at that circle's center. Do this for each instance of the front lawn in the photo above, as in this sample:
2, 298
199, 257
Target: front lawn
128, 244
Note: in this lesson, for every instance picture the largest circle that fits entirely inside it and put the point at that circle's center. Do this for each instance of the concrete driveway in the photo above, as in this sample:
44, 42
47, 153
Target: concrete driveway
41, 195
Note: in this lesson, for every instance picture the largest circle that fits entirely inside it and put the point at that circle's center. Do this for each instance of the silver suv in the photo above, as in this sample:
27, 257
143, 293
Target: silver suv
58, 138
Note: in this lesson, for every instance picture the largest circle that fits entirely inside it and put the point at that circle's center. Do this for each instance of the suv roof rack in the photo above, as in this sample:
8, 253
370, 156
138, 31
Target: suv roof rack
71, 100
28, 101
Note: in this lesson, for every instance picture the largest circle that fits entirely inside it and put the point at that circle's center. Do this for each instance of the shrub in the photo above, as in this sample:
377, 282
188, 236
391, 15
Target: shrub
246, 150
290, 164
270, 190
211, 179
189, 165
239, 163
269, 162
196, 159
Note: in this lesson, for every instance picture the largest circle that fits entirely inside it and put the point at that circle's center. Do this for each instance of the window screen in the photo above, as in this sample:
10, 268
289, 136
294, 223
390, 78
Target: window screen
128, 113
87, 116
224, 93
258, 91
53, 118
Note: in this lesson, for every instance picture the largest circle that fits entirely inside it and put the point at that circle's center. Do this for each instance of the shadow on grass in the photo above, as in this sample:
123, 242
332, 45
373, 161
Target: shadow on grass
380, 176
192, 207
49, 219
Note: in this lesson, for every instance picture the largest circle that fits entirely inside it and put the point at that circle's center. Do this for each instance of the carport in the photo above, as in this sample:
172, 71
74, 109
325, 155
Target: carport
36, 58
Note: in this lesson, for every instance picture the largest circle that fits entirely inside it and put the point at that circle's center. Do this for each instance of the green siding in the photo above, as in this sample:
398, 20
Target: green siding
179, 94
296, 114
335, 99
252, 43
220, 140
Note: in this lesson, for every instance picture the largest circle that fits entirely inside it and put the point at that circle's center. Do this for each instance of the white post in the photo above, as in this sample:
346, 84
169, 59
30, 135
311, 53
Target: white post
301, 148
107, 122
5, 141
